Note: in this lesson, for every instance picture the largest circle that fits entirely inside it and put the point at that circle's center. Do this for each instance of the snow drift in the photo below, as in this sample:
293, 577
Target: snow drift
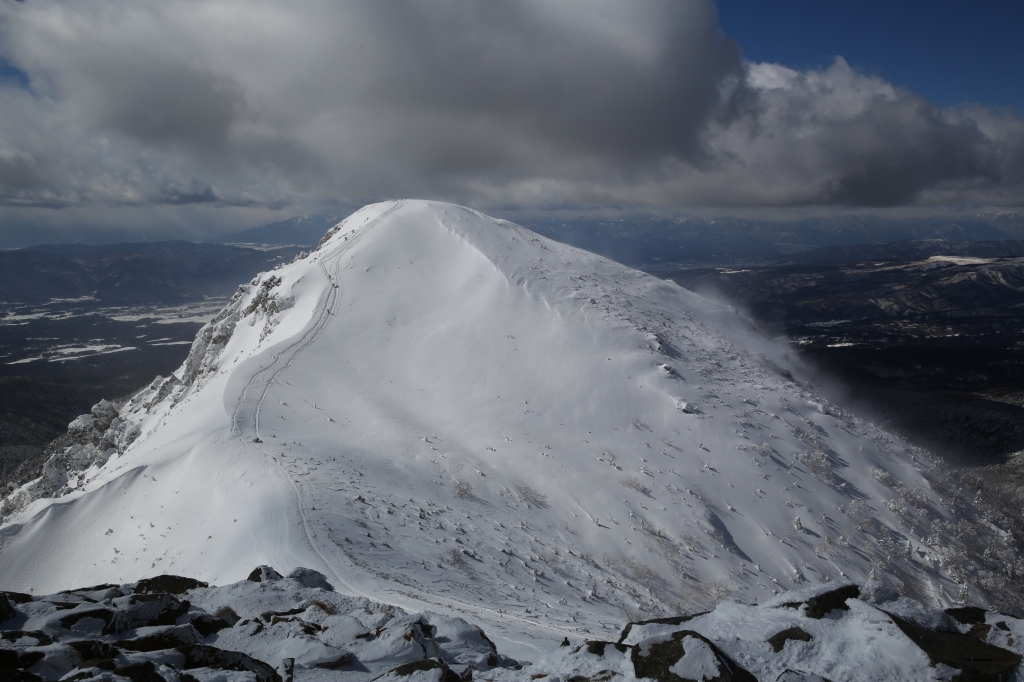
440, 410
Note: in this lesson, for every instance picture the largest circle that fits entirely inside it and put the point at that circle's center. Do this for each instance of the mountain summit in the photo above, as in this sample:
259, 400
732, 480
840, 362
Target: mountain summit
441, 410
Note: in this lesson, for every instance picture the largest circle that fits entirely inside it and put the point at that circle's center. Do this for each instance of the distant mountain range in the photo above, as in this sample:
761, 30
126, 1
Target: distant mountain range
911, 250
646, 241
304, 230
131, 273
662, 243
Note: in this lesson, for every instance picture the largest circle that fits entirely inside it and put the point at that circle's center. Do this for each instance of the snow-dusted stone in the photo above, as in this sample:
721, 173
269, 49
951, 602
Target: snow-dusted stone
208, 624
639, 630
828, 600
17, 597
322, 635
171, 637
49, 662
217, 675
976, 659
139, 671
202, 655
686, 655
171, 584
262, 574
798, 676
463, 643
151, 609
795, 633
307, 577
93, 650
90, 618
427, 670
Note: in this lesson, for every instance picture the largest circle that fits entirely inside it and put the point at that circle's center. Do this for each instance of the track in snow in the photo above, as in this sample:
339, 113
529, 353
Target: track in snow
246, 420
247, 412
255, 392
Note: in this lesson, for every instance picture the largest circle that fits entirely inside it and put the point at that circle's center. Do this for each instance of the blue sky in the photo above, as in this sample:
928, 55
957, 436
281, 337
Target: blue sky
947, 52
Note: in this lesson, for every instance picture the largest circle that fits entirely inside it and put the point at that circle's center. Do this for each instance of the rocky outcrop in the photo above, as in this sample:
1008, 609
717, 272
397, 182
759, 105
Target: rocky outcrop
174, 629
109, 428
307, 577
90, 441
818, 634
170, 628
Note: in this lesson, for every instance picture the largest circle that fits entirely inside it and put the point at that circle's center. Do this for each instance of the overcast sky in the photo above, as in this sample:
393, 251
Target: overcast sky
206, 115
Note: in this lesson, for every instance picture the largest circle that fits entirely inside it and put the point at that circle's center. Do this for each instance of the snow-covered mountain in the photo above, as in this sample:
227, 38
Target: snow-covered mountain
444, 411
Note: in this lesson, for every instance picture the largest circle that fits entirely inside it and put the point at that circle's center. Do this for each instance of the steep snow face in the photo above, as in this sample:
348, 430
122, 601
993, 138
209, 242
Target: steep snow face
442, 410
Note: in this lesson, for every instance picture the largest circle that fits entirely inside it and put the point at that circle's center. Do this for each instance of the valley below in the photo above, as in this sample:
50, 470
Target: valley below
83, 323
931, 346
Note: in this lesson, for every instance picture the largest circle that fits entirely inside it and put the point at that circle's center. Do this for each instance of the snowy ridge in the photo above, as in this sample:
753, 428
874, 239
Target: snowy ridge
440, 410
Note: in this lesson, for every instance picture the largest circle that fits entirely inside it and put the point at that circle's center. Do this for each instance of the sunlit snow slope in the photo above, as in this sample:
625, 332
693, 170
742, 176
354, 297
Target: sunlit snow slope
442, 410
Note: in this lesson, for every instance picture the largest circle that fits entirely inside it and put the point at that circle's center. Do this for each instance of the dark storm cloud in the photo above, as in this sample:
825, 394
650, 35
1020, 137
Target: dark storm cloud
837, 137
896, 149
558, 75
527, 103
170, 104
18, 175
194, 193
889, 159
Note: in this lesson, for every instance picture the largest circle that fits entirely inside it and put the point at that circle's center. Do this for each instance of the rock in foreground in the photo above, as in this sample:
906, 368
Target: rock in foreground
173, 629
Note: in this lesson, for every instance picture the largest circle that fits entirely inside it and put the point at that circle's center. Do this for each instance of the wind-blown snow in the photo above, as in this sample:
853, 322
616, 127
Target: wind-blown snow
440, 410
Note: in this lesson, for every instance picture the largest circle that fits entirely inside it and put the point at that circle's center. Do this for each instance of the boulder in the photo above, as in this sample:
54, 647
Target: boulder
978, 661
154, 609
207, 625
670, 620
144, 671
173, 637
41, 638
204, 656
819, 606
170, 584
307, 577
427, 670
688, 656
262, 574
91, 649
77, 619
779, 639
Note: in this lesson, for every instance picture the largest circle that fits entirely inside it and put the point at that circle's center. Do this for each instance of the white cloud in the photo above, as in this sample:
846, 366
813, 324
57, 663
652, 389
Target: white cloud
533, 103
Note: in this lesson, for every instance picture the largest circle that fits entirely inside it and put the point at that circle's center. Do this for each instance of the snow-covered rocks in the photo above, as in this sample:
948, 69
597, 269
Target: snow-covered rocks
90, 441
131, 631
273, 630
821, 633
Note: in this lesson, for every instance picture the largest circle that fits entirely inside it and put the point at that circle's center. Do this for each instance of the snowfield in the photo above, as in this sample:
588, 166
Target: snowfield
446, 412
